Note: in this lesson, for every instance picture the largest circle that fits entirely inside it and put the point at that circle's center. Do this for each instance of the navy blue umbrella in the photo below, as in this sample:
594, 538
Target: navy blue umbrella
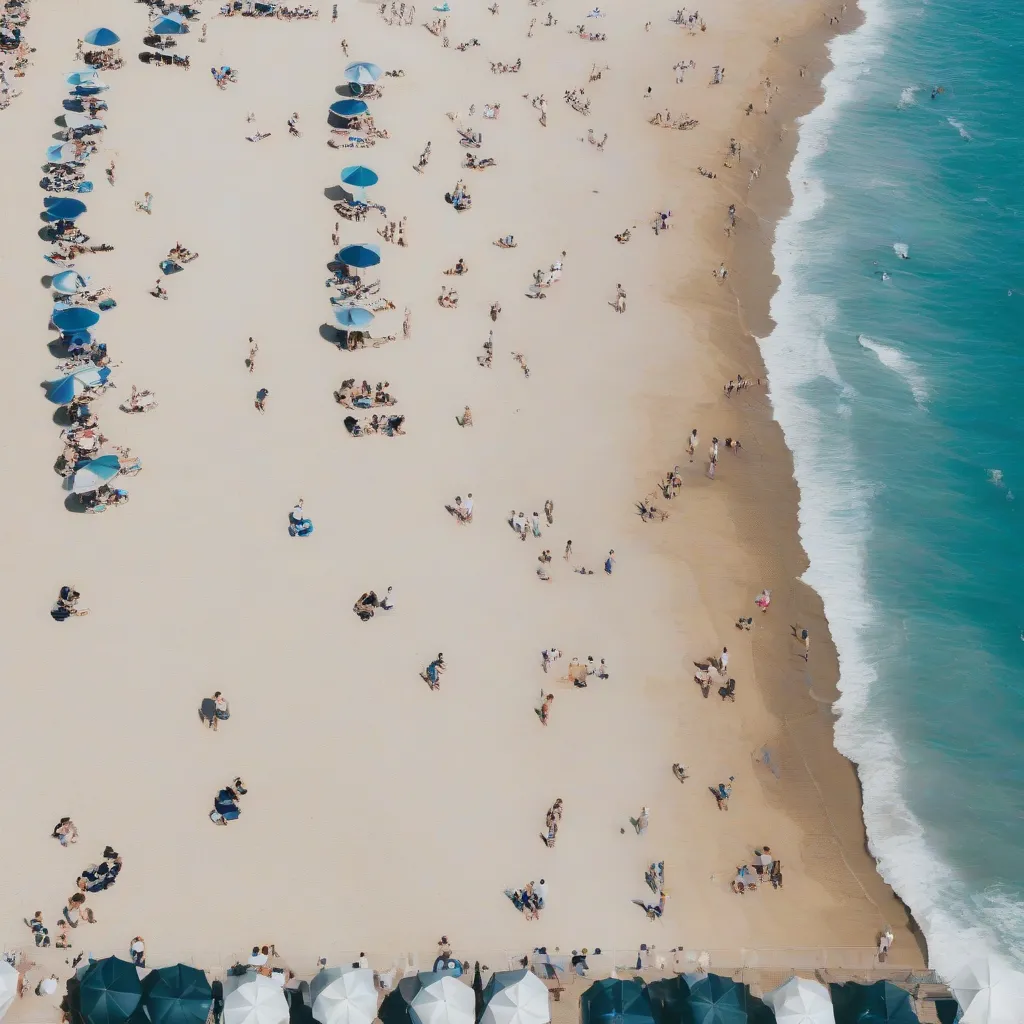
102, 37
62, 208
75, 318
349, 108
362, 255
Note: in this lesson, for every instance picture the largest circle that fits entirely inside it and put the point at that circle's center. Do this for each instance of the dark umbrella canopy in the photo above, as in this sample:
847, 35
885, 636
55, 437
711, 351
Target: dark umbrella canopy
478, 989
614, 1001
880, 1003
177, 995
110, 992
712, 999
395, 1007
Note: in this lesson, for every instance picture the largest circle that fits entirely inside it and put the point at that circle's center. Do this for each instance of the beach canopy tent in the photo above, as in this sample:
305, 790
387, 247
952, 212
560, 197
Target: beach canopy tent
177, 994
256, 999
172, 24
8, 986
880, 1003
361, 255
67, 282
102, 37
616, 1001
358, 176
353, 316
62, 153
516, 997
801, 1001
83, 78
62, 391
990, 992
395, 1008
109, 991
74, 121
349, 108
63, 208
74, 318
442, 999
91, 477
362, 72
343, 995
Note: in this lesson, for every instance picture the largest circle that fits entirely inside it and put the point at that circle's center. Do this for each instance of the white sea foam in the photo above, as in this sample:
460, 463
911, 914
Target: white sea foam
959, 923
907, 97
893, 359
902, 250
964, 133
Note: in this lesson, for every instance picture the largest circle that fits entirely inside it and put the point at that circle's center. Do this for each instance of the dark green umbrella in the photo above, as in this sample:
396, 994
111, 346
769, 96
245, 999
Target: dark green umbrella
614, 1001
110, 991
668, 998
478, 989
177, 995
395, 1007
880, 1003
712, 999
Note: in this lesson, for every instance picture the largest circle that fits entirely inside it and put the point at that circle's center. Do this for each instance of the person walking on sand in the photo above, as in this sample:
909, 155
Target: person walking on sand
609, 562
251, 361
805, 638
549, 656
261, 398
692, 445
722, 793
568, 550
641, 821
544, 711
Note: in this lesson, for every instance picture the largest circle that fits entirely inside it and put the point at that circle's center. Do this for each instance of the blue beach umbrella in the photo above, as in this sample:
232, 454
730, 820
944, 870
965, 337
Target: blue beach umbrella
62, 391
616, 1001
86, 77
713, 999
176, 995
110, 989
93, 475
62, 208
362, 72
67, 282
172, 24
102, 37
349, 108
361, 255
358, 176
353, 316
75, 318
63, 153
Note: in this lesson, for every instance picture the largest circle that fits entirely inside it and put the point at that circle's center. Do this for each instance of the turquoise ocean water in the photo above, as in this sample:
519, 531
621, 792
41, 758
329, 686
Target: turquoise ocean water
902, 399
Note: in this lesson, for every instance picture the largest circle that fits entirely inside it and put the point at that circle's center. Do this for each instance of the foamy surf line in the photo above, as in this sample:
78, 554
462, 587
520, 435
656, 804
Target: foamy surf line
834, 525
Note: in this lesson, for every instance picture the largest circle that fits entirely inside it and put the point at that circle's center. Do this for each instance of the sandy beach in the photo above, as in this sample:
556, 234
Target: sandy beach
381, 813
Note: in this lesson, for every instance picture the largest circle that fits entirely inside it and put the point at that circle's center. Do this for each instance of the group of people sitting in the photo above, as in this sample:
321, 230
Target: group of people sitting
97, 877
462, 510
368, 603
479, 164
459, 197
298, 523
766, 868
529, 900
251, 9
363, 396
67, 605
389, 426
682, 123
497, 68
157, 60
225, 803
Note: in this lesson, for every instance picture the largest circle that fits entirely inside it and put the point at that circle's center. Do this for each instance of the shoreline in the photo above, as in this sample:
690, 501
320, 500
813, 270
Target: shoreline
799, 696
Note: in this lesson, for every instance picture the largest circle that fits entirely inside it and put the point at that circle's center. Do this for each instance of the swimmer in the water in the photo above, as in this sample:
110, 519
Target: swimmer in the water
938, 90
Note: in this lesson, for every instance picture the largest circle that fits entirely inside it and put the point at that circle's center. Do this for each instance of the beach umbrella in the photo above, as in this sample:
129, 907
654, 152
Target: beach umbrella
343, 996
349, 108
361, 255
176, 995
63, 153
102, 37
172, 24
516, 997
989, 992
62, 391
257, 1000
362, 72
395, 1007
110, 989
353, 316
442, 1000
358, 176
67, 282
8, 986
616, 1001
801, 1001
75, 121
91, 477
713, 999
74, 318
63, 208
880, 1003
87, 77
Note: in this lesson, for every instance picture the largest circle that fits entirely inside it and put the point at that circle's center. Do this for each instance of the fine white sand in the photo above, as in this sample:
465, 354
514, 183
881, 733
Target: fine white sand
381, 814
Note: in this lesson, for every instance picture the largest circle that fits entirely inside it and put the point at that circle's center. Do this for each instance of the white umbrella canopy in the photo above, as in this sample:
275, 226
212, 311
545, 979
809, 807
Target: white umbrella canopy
444, 1001
256, 1000
801, 1001
516, 997
8, 986
343, 996
989, 991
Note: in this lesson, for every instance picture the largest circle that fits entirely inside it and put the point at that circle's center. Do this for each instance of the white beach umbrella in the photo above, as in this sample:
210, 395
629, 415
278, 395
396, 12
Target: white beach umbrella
801, 1001
343, 996
8, 986
256, 1000
989, 991
444, 1001
516, 997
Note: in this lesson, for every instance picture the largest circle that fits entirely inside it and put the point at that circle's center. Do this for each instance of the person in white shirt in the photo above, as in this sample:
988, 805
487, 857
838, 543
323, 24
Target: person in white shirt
387, 603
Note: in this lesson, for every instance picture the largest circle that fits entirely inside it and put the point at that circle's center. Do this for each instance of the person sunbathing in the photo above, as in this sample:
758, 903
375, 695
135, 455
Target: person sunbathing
459, 269
508, 242
366, 605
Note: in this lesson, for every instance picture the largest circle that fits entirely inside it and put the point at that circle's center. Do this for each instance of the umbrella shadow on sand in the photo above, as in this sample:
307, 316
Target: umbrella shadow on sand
346, 91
